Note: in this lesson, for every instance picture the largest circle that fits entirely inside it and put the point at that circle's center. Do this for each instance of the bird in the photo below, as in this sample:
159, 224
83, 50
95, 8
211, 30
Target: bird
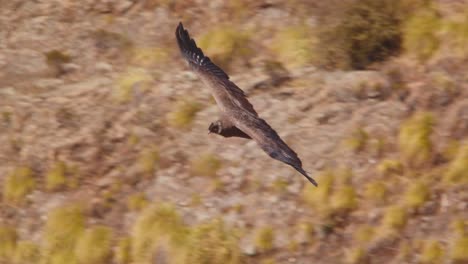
238, 117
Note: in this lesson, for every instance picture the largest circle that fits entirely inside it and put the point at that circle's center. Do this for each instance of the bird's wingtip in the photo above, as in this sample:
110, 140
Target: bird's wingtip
303, 172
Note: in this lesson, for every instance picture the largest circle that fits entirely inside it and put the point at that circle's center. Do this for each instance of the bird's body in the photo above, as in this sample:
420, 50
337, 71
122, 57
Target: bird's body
238, 116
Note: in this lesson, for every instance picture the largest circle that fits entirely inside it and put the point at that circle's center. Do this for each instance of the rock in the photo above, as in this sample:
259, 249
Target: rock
103, 67
70, 67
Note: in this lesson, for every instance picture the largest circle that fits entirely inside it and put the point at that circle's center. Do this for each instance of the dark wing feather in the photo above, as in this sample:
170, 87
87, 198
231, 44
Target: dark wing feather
267, 138
202, 65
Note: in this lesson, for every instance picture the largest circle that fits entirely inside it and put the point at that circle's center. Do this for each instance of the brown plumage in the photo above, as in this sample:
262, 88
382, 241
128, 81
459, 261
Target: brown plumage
238, 117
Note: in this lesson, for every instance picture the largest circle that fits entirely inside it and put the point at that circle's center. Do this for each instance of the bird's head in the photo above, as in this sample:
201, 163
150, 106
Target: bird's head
215, 128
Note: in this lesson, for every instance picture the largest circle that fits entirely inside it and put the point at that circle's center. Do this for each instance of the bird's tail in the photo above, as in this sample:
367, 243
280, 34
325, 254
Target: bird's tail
303, 172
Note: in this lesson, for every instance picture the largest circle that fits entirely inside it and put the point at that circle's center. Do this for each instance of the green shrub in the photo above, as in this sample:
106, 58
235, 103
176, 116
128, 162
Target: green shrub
389, 166
157, 226
432, 253
94, 246
18, 184
417, 194
368, 31
63, 228
183, 114
414, 139
264, 238
148, 159
226, 44
8, 238
458, 253
26, 252
213, 243
395, 218
376, 191
56, 177
457, 171
344, 199
294, 45
123, 251
419, 34
205, 165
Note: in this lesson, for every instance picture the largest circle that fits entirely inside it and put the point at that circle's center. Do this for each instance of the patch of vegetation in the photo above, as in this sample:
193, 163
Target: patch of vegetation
137, 202
264, 238
416, 194
376, 191
157, 226
213, 243
56, 59
55, 178
280, 185
358, 140
356, 255
458, 253
26, 252
419, 34
184, 112
226, 44
432, 252
390, 166
148, 160
344, 199
367, 31
8, 238
63, 228
130, 82
414, 139
318, 198
455, 31
94, 246
293, 46
18, 184
205, 165
458, 226
364, 234
395, 219
122, 253
149, 56
457, 171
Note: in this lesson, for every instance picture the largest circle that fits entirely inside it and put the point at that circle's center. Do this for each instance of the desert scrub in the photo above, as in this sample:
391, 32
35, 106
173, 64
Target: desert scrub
63, 228
183, 113
122, 253
458, 227
56, 59
376, 192
226, 44
364, 235
107, 40
26, 252
56, 176
414, 139
94, 246
420, 34
343, 199
18, 184
205, 164
388, 167
264, 238
148, 160
293, 46
213, 243
156, 226
394, 219
356, 255
147, 56
358, 140
137, 202
131, 84
8, 238
318, 198
458, 252
457, 170
416, 194
432, 252
367, 31
455, 32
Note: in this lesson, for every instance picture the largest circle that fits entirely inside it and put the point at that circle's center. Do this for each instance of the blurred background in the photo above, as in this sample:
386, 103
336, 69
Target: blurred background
105, 156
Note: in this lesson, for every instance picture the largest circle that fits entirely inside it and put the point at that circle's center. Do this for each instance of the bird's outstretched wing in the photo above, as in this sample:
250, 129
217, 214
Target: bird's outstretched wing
267, 138
225, 91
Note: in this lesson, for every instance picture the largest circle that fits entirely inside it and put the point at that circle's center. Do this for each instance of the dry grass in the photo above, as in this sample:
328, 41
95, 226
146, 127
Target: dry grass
294, 45
457, 171
264, 238
18, 184
420, 34
205, 165
183, 113
56, 176
414, 139
94, 246
8, 238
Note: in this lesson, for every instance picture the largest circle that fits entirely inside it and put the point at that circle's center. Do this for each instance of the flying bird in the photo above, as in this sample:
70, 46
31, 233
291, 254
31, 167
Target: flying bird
238, 116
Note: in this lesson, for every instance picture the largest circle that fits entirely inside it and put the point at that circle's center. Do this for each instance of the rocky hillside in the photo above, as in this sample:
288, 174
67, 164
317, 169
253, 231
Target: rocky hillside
106, 158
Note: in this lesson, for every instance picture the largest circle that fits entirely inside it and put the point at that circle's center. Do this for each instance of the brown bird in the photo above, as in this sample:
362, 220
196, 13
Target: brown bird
238, 117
